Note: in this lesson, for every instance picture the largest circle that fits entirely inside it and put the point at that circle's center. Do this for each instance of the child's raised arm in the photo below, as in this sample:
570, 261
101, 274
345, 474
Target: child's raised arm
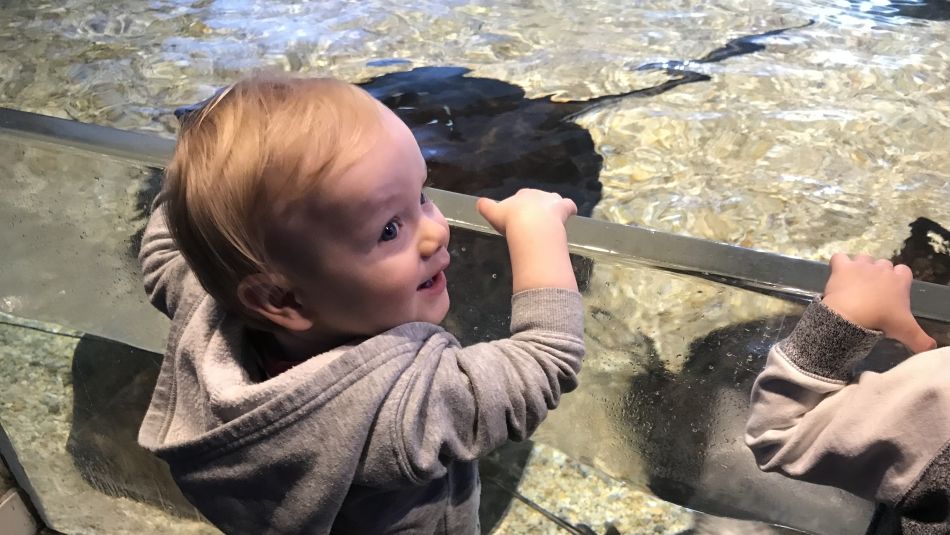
460, 403
532, 221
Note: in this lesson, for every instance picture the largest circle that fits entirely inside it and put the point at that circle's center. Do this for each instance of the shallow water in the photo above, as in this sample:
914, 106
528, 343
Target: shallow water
831, 138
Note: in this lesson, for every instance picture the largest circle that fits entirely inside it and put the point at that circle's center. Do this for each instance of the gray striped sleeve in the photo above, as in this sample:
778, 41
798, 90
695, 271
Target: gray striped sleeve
827, 345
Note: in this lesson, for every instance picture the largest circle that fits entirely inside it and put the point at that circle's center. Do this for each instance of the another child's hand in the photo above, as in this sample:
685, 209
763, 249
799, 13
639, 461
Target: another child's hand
528, 207
875, 294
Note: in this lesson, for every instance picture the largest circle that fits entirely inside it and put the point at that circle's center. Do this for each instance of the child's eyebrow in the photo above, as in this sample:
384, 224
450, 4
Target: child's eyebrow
376, 202
372, 211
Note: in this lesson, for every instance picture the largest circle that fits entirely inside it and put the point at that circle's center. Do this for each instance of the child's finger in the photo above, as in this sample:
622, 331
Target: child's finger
839, 259
904, 273
489, 209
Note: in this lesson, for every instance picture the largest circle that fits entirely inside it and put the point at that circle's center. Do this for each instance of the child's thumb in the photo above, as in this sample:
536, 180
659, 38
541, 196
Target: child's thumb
914, 337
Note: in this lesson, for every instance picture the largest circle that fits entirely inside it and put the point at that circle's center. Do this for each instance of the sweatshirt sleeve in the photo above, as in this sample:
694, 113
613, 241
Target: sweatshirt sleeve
166, 273
458, 403
872, 435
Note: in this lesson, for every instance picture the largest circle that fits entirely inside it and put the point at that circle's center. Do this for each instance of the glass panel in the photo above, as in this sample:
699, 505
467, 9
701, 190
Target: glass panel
659, 413
69, 224
70, 403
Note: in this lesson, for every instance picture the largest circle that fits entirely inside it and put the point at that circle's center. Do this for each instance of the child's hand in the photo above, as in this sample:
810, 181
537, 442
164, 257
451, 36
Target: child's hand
528, 207
532, 221
875, 295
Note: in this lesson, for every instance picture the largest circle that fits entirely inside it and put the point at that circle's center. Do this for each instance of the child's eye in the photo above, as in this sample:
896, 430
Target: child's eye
390, 231
422, 198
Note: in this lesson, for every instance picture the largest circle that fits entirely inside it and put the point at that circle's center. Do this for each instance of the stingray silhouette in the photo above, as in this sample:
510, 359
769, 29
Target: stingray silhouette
482, 136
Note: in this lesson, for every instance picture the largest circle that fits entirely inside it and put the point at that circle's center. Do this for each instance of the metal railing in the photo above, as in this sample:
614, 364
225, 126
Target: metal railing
784, 276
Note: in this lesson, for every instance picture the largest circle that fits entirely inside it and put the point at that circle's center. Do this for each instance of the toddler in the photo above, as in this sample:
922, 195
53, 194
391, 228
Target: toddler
306, 386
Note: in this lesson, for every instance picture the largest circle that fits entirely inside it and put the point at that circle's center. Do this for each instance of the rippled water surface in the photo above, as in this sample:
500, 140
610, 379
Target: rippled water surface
832, 137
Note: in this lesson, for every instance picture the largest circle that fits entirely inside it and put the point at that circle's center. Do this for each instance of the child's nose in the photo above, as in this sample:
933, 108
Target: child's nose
434, 233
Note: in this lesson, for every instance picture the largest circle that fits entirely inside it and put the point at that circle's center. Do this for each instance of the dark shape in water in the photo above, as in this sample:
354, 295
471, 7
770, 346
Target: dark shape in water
927, 260
916, 9
481, 136
112, 386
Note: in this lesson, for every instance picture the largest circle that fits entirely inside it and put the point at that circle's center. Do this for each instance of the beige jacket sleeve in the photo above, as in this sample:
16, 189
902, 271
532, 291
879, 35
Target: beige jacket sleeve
872, 435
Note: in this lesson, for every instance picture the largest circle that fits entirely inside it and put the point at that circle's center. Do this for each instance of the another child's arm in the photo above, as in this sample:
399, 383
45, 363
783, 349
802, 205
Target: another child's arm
873, 435
164, 269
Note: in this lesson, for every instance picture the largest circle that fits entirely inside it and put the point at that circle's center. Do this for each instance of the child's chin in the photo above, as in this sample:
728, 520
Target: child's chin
440, 312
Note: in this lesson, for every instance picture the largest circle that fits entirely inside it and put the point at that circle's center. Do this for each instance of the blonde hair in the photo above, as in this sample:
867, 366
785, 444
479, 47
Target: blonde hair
245, 157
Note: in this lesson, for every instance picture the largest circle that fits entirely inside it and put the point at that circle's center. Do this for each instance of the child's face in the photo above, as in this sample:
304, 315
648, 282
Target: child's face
375, 246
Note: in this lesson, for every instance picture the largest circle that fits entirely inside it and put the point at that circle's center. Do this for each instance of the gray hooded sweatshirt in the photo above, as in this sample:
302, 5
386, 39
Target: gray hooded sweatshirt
380, 436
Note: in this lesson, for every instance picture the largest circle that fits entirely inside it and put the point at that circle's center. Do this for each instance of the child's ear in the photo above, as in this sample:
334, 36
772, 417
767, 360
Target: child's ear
265, 295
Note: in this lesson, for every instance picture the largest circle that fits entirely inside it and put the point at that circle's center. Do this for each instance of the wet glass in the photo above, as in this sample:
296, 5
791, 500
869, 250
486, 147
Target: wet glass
658, 417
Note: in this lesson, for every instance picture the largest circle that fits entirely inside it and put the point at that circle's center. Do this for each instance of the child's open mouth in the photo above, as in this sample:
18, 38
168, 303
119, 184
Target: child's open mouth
435, 281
